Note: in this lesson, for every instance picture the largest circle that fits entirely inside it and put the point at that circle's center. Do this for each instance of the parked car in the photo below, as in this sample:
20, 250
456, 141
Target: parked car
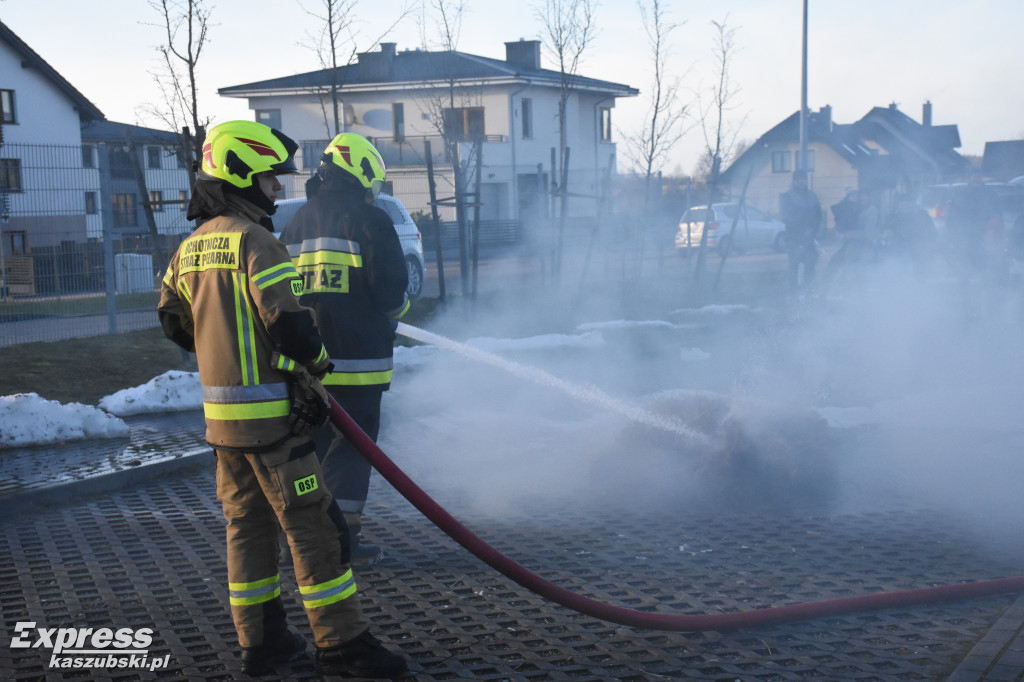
412, 240
408, 234
755, 229
1009, 195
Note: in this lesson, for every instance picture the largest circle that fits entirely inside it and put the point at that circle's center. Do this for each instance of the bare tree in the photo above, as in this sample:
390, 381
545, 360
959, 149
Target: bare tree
663, 127
442, 18
336, 26
186, 23
713, 111
457, 115
570, 29
714, 107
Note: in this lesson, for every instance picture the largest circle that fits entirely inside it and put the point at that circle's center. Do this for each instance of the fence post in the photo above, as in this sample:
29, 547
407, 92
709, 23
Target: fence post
436, 219
107, 214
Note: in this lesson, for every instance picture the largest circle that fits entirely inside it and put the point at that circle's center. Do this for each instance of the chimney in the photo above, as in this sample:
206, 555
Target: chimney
926, 114
825, 114
523, 54
376, 66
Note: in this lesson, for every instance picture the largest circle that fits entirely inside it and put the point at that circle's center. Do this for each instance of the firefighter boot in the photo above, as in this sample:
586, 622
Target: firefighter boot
280, 645
362, 553
363, 656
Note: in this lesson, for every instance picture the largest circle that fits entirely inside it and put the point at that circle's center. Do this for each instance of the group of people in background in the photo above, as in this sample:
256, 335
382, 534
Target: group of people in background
974, 243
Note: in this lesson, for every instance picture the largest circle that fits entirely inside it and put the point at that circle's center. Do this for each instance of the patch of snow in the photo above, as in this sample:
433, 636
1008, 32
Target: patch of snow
172, 391
540, 342
626, 324
27, 419
693, 354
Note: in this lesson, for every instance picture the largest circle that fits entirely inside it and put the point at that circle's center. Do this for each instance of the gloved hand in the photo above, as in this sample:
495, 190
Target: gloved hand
310, 405
323, 367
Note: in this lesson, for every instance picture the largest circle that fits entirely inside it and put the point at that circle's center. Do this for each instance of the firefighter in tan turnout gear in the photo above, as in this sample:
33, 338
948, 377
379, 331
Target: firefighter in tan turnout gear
230, 296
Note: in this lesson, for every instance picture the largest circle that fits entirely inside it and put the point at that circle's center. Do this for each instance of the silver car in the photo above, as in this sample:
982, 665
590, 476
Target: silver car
412, 240
755, 229
408, 234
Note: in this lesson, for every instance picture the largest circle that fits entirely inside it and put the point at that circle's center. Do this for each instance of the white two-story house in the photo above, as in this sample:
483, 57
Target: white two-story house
51, 208
400, 100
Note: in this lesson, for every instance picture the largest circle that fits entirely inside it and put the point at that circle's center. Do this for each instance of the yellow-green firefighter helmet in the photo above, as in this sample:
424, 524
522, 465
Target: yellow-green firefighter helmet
354, 154
235, 151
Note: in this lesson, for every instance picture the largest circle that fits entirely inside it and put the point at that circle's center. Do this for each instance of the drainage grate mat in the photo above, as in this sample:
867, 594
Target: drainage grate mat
153, 557
154, 439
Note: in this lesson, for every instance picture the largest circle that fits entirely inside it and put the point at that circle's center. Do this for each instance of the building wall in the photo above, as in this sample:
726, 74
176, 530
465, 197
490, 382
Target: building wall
44, 114
831, 178
370, 115
45, 140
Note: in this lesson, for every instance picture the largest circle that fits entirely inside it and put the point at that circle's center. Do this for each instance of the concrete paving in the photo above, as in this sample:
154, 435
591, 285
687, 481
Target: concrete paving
127, 533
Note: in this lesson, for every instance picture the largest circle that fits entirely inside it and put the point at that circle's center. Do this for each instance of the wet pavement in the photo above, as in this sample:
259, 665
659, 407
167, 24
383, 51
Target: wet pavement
127, 533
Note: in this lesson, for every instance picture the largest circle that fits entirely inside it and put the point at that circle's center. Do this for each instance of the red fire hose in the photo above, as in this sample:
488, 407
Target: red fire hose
643, 619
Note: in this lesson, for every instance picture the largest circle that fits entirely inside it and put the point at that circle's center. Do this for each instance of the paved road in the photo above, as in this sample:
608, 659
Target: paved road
73, 326
148, 552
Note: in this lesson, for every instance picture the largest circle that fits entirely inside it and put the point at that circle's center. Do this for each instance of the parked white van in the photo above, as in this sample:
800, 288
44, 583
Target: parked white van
408, 234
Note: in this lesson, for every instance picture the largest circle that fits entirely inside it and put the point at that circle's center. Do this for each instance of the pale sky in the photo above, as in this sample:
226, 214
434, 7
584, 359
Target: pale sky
967, 58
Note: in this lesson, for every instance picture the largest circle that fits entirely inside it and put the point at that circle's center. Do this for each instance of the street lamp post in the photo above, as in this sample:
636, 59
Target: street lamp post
802, 163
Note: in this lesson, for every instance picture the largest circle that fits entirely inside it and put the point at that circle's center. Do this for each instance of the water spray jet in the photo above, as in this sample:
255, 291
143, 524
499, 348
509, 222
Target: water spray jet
587, 394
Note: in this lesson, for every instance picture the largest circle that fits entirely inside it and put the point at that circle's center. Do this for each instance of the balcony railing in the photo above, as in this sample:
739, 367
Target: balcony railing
411, 150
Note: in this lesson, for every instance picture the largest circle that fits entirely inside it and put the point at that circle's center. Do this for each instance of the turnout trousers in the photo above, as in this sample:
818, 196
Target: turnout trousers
285, 486
346, 471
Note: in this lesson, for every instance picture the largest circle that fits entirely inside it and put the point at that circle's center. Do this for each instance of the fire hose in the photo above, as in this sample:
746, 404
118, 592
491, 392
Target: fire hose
644, 619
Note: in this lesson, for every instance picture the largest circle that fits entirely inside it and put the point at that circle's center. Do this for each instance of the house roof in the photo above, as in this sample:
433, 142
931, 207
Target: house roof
116, 133
87, 111
420, 67
907, 146
1003, 160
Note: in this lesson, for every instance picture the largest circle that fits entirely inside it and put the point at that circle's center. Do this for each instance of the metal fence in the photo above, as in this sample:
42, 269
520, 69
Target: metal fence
79, 252
81, 255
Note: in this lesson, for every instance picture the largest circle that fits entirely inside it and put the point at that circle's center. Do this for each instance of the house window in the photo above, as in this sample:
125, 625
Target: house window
183, 199
124, 209
606, 124
398, 116
10, 175
156, 201
14, 244
810, 159
780, 162
269, 117
7, 107
312, 152
91, 207
464, 123
153, 157
121, 165
88, 156
527, 114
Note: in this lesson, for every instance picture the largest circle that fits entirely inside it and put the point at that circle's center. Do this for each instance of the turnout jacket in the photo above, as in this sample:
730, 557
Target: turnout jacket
229, 295
350, 259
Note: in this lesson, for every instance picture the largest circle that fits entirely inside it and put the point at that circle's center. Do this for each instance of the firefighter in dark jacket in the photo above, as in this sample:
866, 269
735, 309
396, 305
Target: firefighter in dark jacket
355, 278
801, 213
229, 295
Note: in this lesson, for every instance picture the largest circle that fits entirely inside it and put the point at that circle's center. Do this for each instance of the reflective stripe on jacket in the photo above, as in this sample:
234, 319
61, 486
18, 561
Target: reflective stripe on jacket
229, 285
354, 277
